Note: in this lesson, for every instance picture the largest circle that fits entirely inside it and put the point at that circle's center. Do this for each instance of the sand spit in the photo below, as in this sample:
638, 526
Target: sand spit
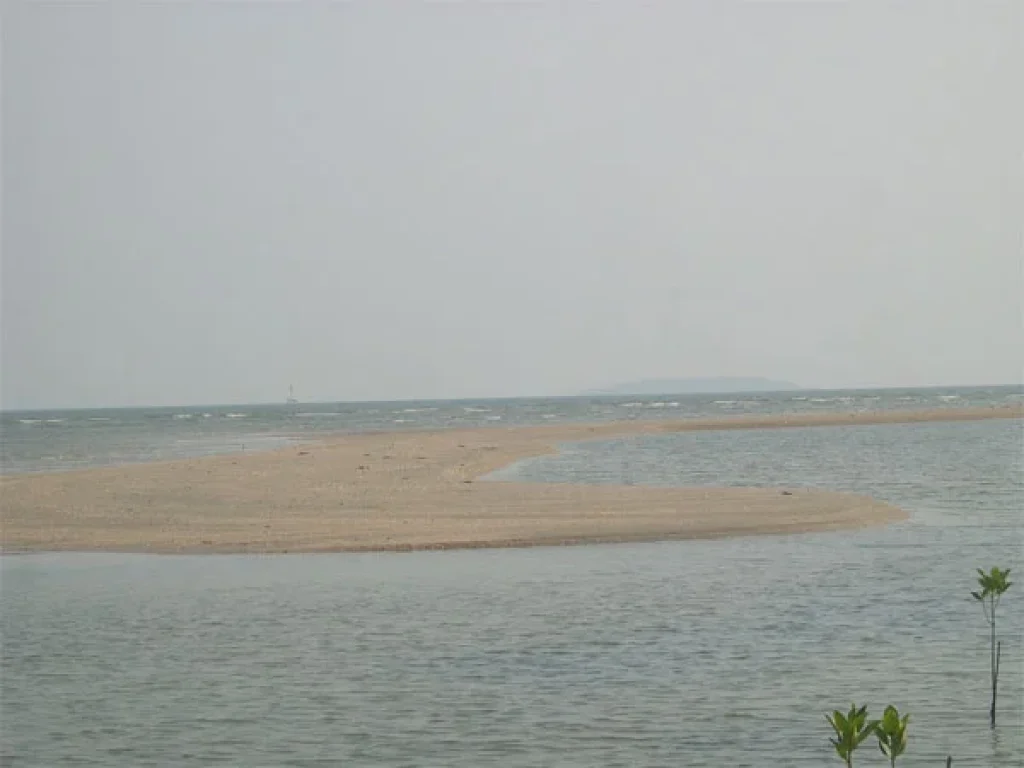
416, 490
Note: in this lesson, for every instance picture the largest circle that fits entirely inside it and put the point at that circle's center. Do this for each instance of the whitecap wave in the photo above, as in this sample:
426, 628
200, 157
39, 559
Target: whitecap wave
55, 421
416, 410
549, 416
319, 414
31, 421
822, 400
947, 398
493, 418
184, 415
401, 421
99, 418
725, 402
631, 405
236, 415
470, 409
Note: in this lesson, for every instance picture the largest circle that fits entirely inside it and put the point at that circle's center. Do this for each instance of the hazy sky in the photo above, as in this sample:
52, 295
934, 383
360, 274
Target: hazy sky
205, 202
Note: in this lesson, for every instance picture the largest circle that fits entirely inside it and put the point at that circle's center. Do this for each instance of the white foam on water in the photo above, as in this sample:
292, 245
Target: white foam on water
631, 405
798, 398
31, 421
947, 398
725, 402
207, 415
549, 416
236, 415
823, 399
401, 421
319, 414
470, 409
99, 418
493, 418
416, 410
673, 405
184, 415
55, 421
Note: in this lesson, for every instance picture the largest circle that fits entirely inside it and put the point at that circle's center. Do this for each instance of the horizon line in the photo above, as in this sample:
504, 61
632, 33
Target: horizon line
492, 398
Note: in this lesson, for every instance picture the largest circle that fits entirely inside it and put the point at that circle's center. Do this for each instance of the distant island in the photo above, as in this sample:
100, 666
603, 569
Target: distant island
695, 386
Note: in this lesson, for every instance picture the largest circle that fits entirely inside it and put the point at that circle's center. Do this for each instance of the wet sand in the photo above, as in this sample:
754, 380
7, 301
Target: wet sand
416, 490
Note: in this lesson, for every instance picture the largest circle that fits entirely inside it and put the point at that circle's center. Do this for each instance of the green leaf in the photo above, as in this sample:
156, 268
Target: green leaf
870, 729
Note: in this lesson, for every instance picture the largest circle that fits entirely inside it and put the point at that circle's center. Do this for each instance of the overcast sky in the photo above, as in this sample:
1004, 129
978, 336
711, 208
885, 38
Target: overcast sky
207, 202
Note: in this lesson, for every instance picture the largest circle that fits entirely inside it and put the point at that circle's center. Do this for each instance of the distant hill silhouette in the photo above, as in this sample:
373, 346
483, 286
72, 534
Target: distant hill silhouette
696, 386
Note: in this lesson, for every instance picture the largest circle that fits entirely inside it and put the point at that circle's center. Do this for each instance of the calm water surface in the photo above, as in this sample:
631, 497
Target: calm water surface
707, 653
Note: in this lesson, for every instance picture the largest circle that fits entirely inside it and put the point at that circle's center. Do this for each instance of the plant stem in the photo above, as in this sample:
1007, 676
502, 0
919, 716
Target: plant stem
995, 684
994, 664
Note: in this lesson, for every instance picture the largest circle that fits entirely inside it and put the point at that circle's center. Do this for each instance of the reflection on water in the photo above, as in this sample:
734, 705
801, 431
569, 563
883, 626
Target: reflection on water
708, 653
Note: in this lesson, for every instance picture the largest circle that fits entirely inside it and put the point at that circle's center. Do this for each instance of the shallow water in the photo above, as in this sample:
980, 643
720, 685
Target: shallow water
704, 653
50, 441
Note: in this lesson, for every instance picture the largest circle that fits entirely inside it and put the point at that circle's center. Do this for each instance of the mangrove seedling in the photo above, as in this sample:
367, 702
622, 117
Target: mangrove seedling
851, 730
892, 734
993, 585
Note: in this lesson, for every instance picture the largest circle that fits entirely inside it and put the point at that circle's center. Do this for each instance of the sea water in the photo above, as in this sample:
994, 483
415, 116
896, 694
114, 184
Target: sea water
699, 653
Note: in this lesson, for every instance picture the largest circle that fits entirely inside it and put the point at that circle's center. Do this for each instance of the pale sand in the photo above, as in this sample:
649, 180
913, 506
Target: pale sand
414, 490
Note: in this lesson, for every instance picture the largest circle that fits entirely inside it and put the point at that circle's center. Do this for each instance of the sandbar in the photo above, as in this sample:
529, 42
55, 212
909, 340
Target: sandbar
407, 491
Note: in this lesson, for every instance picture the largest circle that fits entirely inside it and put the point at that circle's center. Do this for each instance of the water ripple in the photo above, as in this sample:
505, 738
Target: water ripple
701, 654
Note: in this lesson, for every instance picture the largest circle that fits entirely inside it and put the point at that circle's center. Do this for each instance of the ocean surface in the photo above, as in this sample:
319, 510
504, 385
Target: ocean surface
699, 654
53, 441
